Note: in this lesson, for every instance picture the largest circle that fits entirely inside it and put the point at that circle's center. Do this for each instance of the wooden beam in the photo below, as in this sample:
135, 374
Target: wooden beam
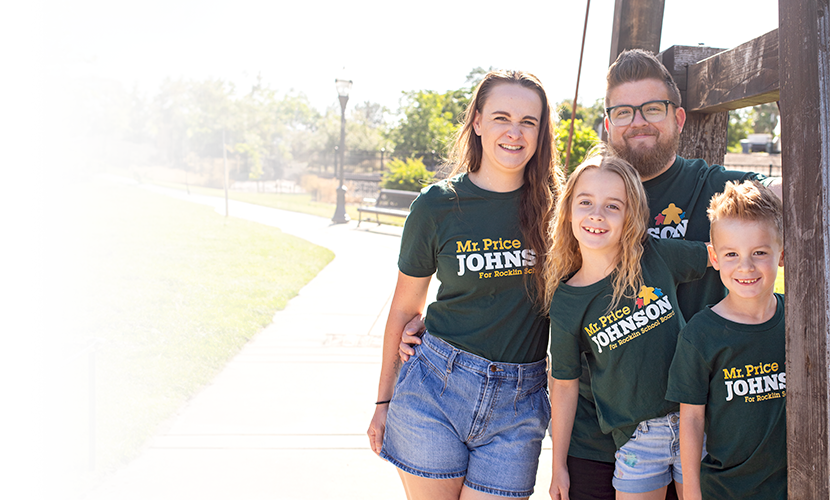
804, 57
744, 76
638, 24
704, 135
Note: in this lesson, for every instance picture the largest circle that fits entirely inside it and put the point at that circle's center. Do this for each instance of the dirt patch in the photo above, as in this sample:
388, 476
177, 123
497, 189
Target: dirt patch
45, 354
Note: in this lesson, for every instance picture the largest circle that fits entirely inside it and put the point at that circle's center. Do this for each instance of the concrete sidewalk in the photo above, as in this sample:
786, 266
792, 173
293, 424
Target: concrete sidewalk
286, 418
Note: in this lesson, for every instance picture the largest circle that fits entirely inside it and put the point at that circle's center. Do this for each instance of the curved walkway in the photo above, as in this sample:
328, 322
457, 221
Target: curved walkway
286, 418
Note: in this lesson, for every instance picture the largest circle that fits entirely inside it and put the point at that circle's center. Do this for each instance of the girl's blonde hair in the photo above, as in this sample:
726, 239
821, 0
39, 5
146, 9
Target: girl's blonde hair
564, 257
542, 174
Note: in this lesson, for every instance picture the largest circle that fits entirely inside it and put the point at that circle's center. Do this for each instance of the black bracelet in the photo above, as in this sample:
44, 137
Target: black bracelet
383, 402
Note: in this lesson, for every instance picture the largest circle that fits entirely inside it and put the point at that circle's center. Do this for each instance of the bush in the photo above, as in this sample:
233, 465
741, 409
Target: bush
409, 175
584, 139
56, 164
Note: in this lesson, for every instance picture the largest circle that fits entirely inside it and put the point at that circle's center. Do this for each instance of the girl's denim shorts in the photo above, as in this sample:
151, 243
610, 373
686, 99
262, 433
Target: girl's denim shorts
454, 414
651, 458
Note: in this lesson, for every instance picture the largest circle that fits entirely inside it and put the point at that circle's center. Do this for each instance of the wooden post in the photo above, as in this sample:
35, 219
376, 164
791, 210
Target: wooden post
638, 24
804, 29
704, 135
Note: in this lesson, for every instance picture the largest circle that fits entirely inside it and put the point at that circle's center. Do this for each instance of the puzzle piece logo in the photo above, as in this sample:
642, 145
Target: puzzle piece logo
671, 215
647, 295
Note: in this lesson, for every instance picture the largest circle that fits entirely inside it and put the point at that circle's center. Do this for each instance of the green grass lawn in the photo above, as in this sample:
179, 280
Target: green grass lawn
172, 290
294, 202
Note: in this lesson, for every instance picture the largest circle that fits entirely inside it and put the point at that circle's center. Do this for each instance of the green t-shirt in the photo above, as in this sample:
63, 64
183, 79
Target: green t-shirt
678, 199
473, 239
687, 185
738, 372
630, 348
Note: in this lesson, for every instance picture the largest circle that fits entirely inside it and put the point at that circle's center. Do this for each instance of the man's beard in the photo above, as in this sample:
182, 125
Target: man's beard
649, 162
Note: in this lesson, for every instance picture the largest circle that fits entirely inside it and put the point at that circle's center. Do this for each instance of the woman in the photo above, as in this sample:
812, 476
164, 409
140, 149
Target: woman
467, 414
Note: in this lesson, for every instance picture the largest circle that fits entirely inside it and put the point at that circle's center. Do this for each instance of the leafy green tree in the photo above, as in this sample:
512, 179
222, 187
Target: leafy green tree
592, 116
169, 115
138, 130
295, 111
429, 120
48, 29
408, 175
738, 127
765, 118
369, 114
584, 139
210, 110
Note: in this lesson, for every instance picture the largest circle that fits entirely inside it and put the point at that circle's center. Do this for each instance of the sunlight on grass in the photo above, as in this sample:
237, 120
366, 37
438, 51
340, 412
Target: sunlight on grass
172, 291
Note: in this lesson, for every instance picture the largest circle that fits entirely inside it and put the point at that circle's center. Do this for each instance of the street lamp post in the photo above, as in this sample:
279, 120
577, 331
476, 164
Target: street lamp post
343, 88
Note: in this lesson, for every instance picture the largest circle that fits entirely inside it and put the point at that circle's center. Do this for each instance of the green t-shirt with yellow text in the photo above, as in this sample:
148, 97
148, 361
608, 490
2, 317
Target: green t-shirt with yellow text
738, 371
472, 239
628, 349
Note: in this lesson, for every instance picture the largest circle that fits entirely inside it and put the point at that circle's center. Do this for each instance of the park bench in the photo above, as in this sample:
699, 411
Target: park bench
391, 202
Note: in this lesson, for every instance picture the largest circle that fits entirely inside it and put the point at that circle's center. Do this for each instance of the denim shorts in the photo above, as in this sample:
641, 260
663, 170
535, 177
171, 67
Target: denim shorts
454, 414
651, 458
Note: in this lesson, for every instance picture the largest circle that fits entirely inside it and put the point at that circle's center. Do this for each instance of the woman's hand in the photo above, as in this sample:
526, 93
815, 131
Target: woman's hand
377, 427
411, 336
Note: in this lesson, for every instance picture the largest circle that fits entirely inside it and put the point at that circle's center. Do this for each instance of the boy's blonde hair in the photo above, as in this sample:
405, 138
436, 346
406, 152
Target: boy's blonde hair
564, 257
748, 201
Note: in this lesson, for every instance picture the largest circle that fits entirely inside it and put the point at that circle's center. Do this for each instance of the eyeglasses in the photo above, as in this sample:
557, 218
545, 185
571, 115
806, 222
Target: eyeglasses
652, 112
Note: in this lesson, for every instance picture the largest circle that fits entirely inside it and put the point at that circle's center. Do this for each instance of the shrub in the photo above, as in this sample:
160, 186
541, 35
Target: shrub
56, 164
584, 139
409, 175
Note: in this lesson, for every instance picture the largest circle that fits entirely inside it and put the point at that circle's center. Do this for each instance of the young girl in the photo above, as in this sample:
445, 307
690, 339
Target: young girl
613, 298
468, 411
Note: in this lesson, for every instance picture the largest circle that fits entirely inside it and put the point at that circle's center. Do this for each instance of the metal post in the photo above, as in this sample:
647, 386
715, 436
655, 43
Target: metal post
92, 424
340, 215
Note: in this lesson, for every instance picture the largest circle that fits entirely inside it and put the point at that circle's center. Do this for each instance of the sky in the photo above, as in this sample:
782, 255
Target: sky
385, 47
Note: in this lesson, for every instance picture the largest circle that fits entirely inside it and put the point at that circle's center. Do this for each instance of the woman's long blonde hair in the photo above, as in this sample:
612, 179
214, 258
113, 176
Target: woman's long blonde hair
565, 258
542, 174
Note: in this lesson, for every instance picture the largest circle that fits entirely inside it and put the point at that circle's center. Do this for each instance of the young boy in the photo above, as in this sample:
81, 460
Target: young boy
728, 372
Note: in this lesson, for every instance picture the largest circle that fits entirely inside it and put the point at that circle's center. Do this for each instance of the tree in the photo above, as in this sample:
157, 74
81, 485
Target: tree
583, 140
409, 175
169, 112
765, 118
370, 114
210, 110
738, 127
592, 116
429, 121
47, 28
138, 128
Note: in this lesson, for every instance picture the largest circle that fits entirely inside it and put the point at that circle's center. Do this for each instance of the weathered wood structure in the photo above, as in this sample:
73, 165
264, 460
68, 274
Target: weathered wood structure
790, 65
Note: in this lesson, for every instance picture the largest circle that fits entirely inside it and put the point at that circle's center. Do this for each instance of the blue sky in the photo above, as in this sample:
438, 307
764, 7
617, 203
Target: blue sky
386, 47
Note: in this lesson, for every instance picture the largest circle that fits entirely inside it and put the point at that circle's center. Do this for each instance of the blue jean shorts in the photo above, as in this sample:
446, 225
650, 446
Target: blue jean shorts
454, 414
651, 458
